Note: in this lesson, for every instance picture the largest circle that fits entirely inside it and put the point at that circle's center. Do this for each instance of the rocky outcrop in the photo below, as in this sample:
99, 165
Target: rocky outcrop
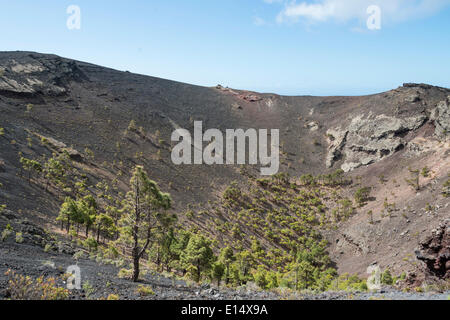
435, 251
35, 75
368, 140
417, 85
250, 97
61, 147
441, 117
313, 126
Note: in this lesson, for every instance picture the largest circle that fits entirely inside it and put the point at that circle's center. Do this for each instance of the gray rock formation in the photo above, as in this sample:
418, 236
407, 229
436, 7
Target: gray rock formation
38, 76
368, 140
441, 117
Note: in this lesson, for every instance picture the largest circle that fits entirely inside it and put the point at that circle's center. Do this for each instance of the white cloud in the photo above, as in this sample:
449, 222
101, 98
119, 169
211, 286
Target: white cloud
345, 10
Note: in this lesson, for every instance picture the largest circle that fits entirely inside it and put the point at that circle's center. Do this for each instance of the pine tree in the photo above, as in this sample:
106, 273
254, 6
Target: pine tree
198, 256
244, 263
260, 277
177, 247
217, 272
88, 211
142, 214
31, 166
105, 226
162, 250
227, 258
414, 180
69, 213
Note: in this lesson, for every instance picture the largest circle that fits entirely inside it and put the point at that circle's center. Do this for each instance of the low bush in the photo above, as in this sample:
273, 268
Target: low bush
125, 273
145, 291
25, 288
113, 297
6, 233
19, 237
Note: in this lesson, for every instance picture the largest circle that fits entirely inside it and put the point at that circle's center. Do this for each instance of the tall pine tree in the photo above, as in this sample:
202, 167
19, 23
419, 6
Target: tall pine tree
144, 214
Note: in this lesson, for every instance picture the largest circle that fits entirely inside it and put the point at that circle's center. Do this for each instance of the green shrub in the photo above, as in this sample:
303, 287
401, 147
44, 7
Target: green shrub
25, 288
232, 192
132, 126
78, 255
19, 237
111, 252
91, 244
347, 282
145, 291
362, 195
113, 297
125, 273
272, 280
217, 272
88, 289
446, 189
425, 172
6, 233
386, 278
307, 180
190, 214
260, 277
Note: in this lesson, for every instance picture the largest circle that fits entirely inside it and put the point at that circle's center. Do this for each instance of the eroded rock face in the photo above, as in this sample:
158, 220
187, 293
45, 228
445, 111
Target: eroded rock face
38, 76
435, 251
441, 117
368, 140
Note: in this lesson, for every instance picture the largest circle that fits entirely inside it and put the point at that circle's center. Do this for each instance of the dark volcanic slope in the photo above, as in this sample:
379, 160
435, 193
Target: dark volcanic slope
88, 108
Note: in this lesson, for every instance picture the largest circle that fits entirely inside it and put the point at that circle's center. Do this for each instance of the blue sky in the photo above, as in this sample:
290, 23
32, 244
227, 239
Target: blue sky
320, 47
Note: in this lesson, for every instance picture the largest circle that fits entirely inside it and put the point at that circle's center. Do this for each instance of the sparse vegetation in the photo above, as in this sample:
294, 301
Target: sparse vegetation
33, 167
285, 210
29, 108
145, 291
7, 232
113, 297
19, 237
258, 230
425, 172
413, 181
370, 214
125, 273
446, 189
88, 289
362, 196
132, 126
386, 277
48, 247
347, 282
25, 288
